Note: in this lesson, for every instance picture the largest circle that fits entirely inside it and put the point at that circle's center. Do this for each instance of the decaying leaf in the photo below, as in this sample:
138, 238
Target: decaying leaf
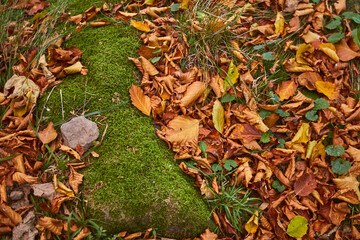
193, 92
49, 134
286, 90
140, 26
75, 179
218, 116
54, 225
61, 188
22, 178
70, 150
305, 184
140, 100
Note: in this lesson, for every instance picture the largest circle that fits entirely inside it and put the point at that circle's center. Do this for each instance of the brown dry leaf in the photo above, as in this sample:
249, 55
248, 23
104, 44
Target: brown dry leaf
70, 150
61, 188
38, 7
22, 178
193, 92
54, 225
99, 24
19, 163
340, 6
49, 134
347, 195
344, 52
303, 48
182, 130
76, 19
305, 185
354, 153
11, 214
207, 235
140, 100
140, 26
148, 67
75, 179
83, 234
133, 235
327, 88
286, 90
255, 120
292, 66
348, 182
205, 190
57, 201
245, 132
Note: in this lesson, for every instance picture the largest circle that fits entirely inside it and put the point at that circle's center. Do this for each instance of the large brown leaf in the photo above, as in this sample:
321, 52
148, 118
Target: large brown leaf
75, 179
193, 92
305, 185
54, 225
140, 100
286, 90
245, 132
48, 134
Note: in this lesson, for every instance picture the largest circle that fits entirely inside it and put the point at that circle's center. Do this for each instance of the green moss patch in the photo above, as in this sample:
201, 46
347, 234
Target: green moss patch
135, 184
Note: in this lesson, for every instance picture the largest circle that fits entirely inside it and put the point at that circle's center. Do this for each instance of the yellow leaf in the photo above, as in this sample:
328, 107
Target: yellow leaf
279, 23
310, 148
302, 136
193, 92
61, 188
326, 88
232, 76
286, 90
330, 50
292, 66
140, 26
218, 116
70, 150
252, 225
182, 130
148, 67
149, 2
75, 68
303, 48
140, 100
184, 4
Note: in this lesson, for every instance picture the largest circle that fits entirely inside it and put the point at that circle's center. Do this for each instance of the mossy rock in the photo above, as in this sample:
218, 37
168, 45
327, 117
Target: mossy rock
135, 184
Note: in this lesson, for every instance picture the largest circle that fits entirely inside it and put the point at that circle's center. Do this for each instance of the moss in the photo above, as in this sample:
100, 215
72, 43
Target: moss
135, 184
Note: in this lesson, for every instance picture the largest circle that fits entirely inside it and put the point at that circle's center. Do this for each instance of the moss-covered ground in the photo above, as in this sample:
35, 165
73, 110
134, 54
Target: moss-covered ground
135, 183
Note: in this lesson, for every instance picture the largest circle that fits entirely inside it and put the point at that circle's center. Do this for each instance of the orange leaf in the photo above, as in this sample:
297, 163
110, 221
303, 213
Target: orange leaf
193, 92
48, 134
140, 26
148, 67
69, 150
305, 184
10, 213
330, 50
54, 225
207, 235
22, 178
286, 90
344, 52
75, 179
245, 132
140, 100
57, 201
326, 88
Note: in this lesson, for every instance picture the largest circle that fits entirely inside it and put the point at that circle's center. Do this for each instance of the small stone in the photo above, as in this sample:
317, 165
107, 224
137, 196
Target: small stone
16, 195
79, 130
44, 190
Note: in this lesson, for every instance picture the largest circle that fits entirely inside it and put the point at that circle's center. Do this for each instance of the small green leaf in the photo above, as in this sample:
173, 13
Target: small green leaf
227, 98
154, 59
268, 56
259, 47
278, 186
353, 16
310, 94
203, 148
334, 23
315, 1
320, 104
356, 36
157, 50
175, 7
312, 115
274, 98
216, 167
297, 227
335, 151
282, 113
281, 143
265, 137
230, 164
340, 167
264, 113
334, 38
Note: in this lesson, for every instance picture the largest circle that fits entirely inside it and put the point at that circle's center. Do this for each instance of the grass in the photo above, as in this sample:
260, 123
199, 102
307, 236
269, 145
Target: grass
135, 184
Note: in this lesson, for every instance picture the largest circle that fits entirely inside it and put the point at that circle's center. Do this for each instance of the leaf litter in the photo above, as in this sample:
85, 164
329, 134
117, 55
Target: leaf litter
295, 147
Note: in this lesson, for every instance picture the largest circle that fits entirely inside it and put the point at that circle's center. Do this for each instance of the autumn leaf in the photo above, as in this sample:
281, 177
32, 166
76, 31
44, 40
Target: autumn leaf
11, 214
252, 224
22, 178
330, 50
292, 66
286, 90
69, 150
303, 48
344, 52
75, 68
75, 179
207, 235
57, 201
140, 26
297, 227
305, 185
245, 132
148, 67
218, 116
354, 153
140, 100
279, 23
193, 92
54, 225
327, 88
48, 134
302, 135
232, 76
61, 188
182, 130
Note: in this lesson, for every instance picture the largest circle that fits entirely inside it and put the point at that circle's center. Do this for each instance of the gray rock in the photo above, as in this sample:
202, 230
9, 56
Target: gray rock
45, 190
26, 229
16, 195
79, 130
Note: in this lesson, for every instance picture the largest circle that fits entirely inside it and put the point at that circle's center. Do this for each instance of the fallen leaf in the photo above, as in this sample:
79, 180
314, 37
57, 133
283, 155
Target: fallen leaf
61, 188
99, 24
286, 90
344, 52
54, 225
340, 6
232, 76
75, 179
330, 50
354, 153
70, 150
302, 135
140, 100
305, 185
253, 223
11, 214
22, 178
140, 26
148, 67
75, 68
38, 7
207, 235
49, 134
218, 116
327, 88
297, 227
245, 132
279, 23
193, 92
57, 201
